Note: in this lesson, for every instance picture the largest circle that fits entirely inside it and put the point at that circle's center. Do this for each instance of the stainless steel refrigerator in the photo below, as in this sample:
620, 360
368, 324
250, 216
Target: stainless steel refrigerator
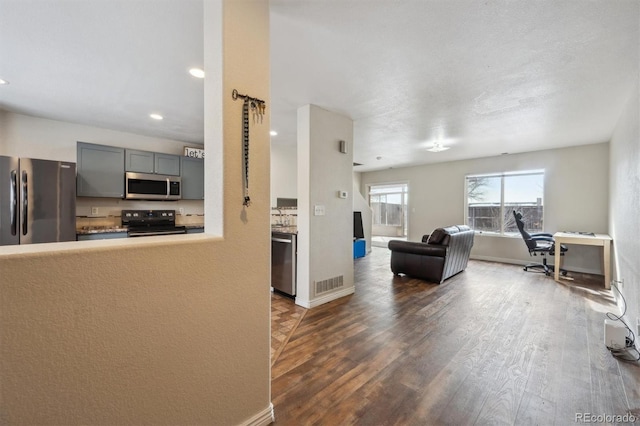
37, 201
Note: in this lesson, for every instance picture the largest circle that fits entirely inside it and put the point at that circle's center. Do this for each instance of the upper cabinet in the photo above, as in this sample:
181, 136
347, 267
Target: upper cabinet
167, 164
139, 161
100, 171
152, 162
192, 178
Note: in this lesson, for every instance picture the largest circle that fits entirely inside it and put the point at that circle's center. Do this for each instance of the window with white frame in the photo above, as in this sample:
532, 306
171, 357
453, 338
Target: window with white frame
389, 205
492, 198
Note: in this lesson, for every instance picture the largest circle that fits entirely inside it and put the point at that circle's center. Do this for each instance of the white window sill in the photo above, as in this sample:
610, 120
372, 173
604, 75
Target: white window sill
496, 235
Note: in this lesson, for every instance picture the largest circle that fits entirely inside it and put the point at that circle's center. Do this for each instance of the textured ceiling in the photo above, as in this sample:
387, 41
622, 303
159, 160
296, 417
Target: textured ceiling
105, 63
484, 77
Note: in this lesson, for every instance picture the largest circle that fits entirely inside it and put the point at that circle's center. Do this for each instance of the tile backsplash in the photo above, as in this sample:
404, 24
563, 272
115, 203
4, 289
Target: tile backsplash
106, 211
287, 216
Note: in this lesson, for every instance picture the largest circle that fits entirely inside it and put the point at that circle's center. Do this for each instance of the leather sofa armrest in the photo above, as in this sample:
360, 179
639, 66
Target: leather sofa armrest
418, 248
425, 238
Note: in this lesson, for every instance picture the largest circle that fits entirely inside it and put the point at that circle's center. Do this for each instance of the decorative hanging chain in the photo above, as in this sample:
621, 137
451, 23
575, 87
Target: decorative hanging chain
245, 151
258, 108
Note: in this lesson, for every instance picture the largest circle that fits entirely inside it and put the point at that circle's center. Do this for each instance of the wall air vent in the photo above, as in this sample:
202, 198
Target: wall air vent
329, 284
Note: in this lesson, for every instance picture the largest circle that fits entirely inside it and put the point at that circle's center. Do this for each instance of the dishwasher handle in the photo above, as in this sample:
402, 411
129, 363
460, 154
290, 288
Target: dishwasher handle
281, 240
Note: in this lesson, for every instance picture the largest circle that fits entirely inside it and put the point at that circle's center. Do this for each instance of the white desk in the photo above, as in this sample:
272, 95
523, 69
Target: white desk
602, 240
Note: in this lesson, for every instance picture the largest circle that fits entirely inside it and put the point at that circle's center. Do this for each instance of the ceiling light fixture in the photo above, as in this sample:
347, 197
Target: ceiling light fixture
273, 133
156, 116
197, 72
3, 82
437, 147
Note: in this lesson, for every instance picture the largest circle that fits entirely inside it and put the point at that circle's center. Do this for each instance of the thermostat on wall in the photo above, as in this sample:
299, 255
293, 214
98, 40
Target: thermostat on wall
342, 194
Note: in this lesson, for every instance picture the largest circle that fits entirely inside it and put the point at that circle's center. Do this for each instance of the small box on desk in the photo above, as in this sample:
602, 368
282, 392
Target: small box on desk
359, 248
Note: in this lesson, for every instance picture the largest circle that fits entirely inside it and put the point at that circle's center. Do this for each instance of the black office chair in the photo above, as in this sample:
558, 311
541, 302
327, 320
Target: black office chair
539, 243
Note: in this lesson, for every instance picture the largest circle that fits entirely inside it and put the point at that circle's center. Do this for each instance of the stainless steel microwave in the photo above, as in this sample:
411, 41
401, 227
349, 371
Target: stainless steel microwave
145, 186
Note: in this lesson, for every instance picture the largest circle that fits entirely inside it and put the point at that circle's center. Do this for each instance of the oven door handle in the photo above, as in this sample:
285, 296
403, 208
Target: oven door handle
150, 234
168, 187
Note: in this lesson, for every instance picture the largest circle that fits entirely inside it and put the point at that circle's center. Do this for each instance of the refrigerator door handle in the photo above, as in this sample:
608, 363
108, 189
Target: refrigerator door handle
25, 203
13, 201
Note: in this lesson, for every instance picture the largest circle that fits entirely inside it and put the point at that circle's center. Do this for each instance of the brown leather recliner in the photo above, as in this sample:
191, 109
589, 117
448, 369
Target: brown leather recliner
439, 256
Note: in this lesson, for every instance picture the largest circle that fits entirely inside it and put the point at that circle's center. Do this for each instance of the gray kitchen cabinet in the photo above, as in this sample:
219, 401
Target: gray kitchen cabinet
152, 162
100, 171
192, 178
167, 164
139, 161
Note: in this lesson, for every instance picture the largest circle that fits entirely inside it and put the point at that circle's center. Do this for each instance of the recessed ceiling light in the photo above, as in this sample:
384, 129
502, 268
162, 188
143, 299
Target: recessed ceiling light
3, 82
197, 72
437, 147
156, 116
273, 133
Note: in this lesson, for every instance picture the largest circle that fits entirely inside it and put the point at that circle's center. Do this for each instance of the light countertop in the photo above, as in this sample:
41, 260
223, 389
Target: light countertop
285, 229
85, 230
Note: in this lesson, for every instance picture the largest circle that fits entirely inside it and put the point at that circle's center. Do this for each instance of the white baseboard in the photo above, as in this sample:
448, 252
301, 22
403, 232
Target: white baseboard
522, 262
325, 299
263, 418
497, 259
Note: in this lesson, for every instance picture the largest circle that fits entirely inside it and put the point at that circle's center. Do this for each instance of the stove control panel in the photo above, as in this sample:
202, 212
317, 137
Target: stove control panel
148, 217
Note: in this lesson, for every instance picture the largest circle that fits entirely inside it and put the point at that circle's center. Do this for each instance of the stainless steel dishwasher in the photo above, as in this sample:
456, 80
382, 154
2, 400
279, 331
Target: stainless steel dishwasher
283, 262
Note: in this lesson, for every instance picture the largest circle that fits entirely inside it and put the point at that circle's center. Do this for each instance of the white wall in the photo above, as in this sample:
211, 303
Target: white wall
162, 330
325, 243
34, 137
284, 172
576, 198
624, 210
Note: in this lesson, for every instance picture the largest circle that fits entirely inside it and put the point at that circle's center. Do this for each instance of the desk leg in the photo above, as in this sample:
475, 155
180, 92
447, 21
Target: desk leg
607, 264
556, 263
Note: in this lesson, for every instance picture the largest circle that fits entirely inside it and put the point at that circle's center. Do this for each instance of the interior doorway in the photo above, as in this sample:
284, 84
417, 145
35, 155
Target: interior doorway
389, 205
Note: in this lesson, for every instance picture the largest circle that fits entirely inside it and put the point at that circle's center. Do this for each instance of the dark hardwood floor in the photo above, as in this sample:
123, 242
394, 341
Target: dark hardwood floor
492, 345
285, 317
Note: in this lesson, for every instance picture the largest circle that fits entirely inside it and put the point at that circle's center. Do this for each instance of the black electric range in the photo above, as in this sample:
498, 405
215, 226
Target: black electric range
144, 223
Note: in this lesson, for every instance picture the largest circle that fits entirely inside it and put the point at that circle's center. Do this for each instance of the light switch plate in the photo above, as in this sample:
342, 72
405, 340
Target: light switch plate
318, 210
343, 194
94, 211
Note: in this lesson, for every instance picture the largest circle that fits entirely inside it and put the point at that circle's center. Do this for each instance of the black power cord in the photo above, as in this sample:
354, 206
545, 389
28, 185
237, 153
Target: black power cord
625, 354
